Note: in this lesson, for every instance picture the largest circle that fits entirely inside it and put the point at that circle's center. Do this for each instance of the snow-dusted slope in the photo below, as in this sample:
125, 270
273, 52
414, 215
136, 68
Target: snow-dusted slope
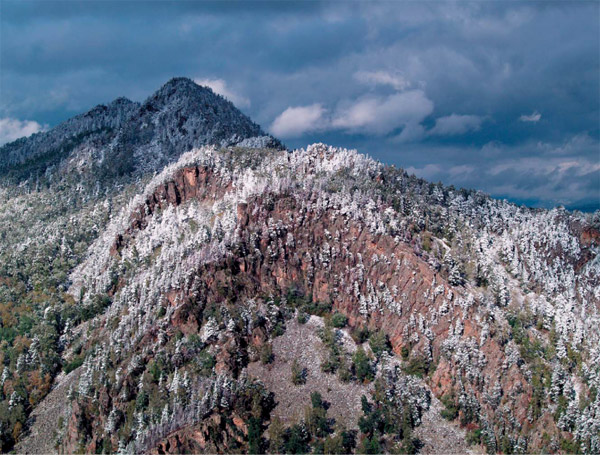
503, 285
160, 248
126, 138
112, 116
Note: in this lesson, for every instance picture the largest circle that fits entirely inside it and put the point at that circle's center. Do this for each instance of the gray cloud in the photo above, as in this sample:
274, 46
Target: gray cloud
397, 81
550, 174
456, 124
220, 86
295, 121
12, 129
532, 118
402, 81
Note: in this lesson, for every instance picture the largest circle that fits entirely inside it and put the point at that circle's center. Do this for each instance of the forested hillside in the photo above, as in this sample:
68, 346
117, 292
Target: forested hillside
160, 264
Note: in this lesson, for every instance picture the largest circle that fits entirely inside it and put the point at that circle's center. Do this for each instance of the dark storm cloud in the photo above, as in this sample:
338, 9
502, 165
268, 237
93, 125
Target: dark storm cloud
500, 96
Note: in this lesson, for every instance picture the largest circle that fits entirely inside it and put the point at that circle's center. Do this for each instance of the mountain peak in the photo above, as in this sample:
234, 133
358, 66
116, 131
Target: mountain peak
178, 117
117, 109
179, 82
193, 115
122, 101
180, 89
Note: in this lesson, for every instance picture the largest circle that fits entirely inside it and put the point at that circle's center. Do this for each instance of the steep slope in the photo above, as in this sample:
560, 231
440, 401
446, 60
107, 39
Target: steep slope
47, 148
187, 115
495, 306
57, 192
178, 117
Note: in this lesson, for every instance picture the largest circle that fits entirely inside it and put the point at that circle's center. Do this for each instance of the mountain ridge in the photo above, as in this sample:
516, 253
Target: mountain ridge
122, 135
453, 310
157, 306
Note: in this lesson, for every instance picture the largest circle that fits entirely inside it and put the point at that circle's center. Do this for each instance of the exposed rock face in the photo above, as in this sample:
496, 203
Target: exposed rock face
188, 183
280, 240
214, 435
272, 263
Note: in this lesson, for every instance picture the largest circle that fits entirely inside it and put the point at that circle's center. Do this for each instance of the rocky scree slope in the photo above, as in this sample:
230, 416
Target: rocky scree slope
495, 306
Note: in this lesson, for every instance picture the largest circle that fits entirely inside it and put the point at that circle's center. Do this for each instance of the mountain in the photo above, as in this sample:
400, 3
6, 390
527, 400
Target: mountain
125, 138
247, 298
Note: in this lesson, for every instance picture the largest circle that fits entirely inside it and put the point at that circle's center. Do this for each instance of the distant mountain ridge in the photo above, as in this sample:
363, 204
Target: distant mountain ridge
126, 137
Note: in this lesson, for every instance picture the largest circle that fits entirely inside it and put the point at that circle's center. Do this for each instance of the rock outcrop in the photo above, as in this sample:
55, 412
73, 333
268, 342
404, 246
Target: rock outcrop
279, 241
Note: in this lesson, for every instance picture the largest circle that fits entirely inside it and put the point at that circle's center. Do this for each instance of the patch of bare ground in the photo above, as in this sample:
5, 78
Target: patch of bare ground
440, 436
42, 434
301, 342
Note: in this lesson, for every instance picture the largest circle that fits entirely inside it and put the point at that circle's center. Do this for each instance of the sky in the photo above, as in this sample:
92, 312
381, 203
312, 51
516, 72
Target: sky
500, 96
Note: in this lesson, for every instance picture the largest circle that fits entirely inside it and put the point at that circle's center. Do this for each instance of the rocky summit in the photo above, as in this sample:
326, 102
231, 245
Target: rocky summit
174, 280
